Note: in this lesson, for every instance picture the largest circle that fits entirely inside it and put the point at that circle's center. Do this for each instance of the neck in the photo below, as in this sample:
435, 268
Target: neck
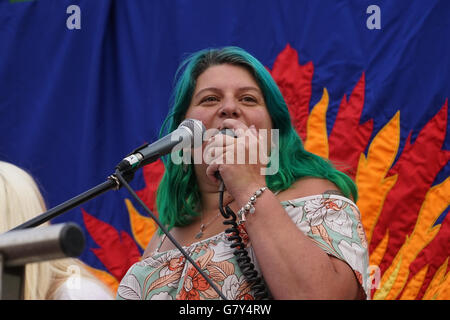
209, 191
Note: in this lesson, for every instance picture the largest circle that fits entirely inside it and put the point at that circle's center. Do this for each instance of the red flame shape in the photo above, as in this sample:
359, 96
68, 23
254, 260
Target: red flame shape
117, 251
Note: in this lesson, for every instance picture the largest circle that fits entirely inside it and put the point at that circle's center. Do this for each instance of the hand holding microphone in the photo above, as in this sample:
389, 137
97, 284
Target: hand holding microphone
234, 157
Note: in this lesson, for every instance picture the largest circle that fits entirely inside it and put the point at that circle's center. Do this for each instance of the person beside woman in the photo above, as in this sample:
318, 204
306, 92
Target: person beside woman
61, 279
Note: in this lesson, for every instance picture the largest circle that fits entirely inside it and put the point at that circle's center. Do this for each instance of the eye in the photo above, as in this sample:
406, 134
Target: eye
250, 100
209, 100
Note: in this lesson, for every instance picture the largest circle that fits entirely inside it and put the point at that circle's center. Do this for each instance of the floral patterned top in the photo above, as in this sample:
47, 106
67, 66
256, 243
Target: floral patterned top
333, 222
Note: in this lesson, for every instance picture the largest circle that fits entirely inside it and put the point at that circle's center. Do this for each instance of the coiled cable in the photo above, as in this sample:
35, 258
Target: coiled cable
243, 260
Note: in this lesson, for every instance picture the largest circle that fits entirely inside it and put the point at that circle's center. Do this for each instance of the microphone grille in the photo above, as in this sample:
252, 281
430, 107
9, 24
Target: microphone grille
194, 125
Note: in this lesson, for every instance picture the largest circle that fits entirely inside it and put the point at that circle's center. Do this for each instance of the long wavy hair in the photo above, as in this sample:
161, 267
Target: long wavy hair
178, 196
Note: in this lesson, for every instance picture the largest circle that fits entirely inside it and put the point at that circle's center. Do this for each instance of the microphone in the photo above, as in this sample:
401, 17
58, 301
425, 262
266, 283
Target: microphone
231, 133
189, 131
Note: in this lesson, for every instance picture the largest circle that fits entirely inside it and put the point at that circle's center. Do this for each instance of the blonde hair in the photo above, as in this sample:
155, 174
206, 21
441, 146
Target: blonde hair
21, 200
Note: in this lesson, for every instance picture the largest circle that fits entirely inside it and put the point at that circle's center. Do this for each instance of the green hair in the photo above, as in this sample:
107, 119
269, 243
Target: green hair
178, 196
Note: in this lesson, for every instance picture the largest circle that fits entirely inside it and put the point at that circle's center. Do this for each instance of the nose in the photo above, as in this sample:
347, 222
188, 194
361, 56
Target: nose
230, 109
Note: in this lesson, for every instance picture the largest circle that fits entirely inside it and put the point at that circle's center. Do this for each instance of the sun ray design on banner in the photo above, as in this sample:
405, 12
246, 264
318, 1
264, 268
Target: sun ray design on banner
404, 215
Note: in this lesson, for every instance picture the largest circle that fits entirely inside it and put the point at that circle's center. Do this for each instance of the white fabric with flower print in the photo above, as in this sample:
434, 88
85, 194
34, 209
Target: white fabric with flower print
333, 222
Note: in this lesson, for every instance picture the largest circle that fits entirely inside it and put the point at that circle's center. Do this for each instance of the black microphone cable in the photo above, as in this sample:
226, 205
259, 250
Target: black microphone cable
241, 254
122, 180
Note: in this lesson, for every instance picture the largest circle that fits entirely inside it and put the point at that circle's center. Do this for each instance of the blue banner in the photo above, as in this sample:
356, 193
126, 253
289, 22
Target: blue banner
82, 83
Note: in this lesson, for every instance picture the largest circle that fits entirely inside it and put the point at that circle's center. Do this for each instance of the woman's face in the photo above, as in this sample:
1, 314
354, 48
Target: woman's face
228, 92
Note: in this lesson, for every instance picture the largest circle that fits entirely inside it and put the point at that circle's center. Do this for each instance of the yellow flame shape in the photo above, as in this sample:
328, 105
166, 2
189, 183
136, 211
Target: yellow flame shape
316, 128
142, 227
373, 187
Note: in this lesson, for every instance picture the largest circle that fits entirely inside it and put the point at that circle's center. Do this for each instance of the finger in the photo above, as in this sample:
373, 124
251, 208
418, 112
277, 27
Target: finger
214, 154
219, 141
252, 129
220, 156
209, 154
237, 126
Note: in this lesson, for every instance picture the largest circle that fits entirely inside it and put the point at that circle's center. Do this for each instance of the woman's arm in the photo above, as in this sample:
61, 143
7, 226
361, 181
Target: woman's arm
294, 267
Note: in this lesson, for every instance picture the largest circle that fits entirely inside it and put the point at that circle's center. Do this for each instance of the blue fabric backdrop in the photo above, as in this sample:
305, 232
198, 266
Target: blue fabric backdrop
74, 102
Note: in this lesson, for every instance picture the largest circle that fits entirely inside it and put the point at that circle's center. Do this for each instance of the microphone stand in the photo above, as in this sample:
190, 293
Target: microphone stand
111, 183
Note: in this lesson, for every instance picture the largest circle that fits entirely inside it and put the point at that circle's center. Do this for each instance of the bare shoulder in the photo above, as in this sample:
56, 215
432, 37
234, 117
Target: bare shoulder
152, 245
307, 187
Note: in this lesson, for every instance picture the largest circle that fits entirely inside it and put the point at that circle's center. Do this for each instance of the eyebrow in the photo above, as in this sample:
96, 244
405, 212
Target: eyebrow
218, 90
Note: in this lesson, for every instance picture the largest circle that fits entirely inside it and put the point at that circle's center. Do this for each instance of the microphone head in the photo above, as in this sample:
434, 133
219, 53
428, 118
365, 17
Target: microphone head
196, 128
193, 124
